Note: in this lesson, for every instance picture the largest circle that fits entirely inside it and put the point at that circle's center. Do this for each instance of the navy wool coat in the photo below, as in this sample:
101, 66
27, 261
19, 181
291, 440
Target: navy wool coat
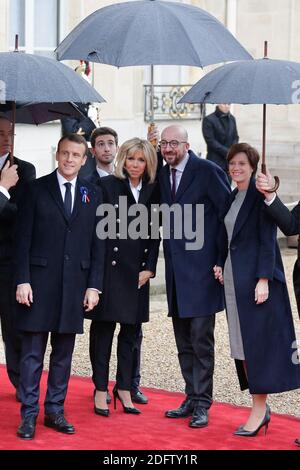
60, 258
267, 329
122, 301
191, 272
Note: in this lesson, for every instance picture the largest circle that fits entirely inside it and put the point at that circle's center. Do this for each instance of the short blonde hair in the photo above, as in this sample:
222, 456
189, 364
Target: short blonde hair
129, 148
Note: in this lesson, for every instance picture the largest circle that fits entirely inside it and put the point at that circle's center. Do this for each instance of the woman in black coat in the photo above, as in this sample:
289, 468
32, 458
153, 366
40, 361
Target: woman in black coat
259, 315
131, 257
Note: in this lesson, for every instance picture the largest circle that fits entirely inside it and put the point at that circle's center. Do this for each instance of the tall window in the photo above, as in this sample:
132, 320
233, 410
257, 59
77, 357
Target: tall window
36, 22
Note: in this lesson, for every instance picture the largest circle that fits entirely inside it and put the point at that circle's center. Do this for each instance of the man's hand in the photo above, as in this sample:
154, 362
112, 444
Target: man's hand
91, 299
24, 294
144, 277
153, 135
265, 183
9, 176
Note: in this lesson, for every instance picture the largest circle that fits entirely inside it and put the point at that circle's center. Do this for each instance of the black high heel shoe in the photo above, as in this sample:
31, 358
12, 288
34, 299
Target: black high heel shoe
126, 409
100, 411
264, 424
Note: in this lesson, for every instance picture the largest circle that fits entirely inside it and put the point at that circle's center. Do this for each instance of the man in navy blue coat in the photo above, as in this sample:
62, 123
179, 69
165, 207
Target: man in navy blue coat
59, 272
193, 295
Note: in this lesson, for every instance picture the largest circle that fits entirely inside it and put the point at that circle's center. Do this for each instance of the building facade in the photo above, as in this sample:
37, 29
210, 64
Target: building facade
42, 24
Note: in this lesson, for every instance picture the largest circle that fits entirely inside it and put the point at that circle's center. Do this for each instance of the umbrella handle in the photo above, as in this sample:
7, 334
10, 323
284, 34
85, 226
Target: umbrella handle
277, 180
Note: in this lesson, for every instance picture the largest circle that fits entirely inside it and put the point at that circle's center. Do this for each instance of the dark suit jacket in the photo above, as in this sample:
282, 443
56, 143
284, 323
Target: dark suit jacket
267, 329
191, 271
60, 258
218, 136
8, 215
289, 224
122, 301
3, 201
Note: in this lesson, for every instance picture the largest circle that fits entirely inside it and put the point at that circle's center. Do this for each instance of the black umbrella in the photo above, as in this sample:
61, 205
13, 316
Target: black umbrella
263, 81
39, 113
37, 79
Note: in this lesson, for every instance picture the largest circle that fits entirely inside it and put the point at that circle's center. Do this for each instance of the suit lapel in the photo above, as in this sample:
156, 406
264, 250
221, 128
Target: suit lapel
146, 191
186, 178
54, 190
246, 207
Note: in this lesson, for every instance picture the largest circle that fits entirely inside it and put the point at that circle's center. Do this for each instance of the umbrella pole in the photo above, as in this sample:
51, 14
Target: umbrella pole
263, 164
13, 133
14, 112
152, 123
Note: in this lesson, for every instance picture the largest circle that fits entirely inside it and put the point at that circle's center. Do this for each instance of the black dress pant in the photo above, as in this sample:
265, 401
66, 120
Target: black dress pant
31, 367
101, 338
11, 337
195, 344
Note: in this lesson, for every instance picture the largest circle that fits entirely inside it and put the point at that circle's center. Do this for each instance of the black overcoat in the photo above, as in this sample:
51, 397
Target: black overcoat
60, 258
267, 329
122, 301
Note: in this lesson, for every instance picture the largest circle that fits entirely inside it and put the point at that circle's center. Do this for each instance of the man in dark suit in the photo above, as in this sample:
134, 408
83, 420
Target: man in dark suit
193, 295
104, 141
8, 216
59, 272
220, 132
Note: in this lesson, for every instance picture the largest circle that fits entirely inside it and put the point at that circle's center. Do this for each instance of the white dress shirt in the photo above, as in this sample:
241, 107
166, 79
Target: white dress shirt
102, 173
180, 169
61, 182
268, 203
136, 191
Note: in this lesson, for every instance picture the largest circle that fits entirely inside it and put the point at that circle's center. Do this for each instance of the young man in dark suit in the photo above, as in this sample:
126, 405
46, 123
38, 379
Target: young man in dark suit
104, 141
193, 295
11, 199
59, 271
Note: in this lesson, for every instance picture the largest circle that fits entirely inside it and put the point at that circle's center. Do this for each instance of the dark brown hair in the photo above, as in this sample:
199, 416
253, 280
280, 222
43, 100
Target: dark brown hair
78, 139
103, 131
251, 152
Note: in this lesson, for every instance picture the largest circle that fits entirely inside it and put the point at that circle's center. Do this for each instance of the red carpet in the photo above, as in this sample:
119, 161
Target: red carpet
148, 431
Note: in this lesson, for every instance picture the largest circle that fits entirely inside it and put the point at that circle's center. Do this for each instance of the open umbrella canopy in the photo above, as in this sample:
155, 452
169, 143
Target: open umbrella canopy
39, 113
260, 81
38, 79
146, 32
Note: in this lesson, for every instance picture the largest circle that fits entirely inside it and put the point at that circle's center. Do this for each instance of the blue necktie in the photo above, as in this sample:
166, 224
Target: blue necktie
68, 200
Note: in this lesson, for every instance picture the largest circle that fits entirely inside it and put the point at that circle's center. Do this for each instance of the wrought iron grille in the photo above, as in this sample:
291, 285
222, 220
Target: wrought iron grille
165, 104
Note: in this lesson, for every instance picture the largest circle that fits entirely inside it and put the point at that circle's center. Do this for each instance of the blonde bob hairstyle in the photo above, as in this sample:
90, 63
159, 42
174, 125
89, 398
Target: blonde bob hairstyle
128, 149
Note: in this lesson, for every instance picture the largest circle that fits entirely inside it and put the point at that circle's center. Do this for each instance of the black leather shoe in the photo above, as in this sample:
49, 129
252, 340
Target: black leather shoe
199, 418
101, 411
26, 429
108, 398
297, 441
185, 409
58, 422
138, 397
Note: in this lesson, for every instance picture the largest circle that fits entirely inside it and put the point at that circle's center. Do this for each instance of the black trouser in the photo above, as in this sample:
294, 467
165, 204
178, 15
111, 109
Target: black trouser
136, 370
195, 344
11, 337
101, 338
31, 367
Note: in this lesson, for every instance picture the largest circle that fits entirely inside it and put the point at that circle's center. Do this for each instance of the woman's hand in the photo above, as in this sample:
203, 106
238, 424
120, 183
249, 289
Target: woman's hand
262, 291
144, 277
218, 272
